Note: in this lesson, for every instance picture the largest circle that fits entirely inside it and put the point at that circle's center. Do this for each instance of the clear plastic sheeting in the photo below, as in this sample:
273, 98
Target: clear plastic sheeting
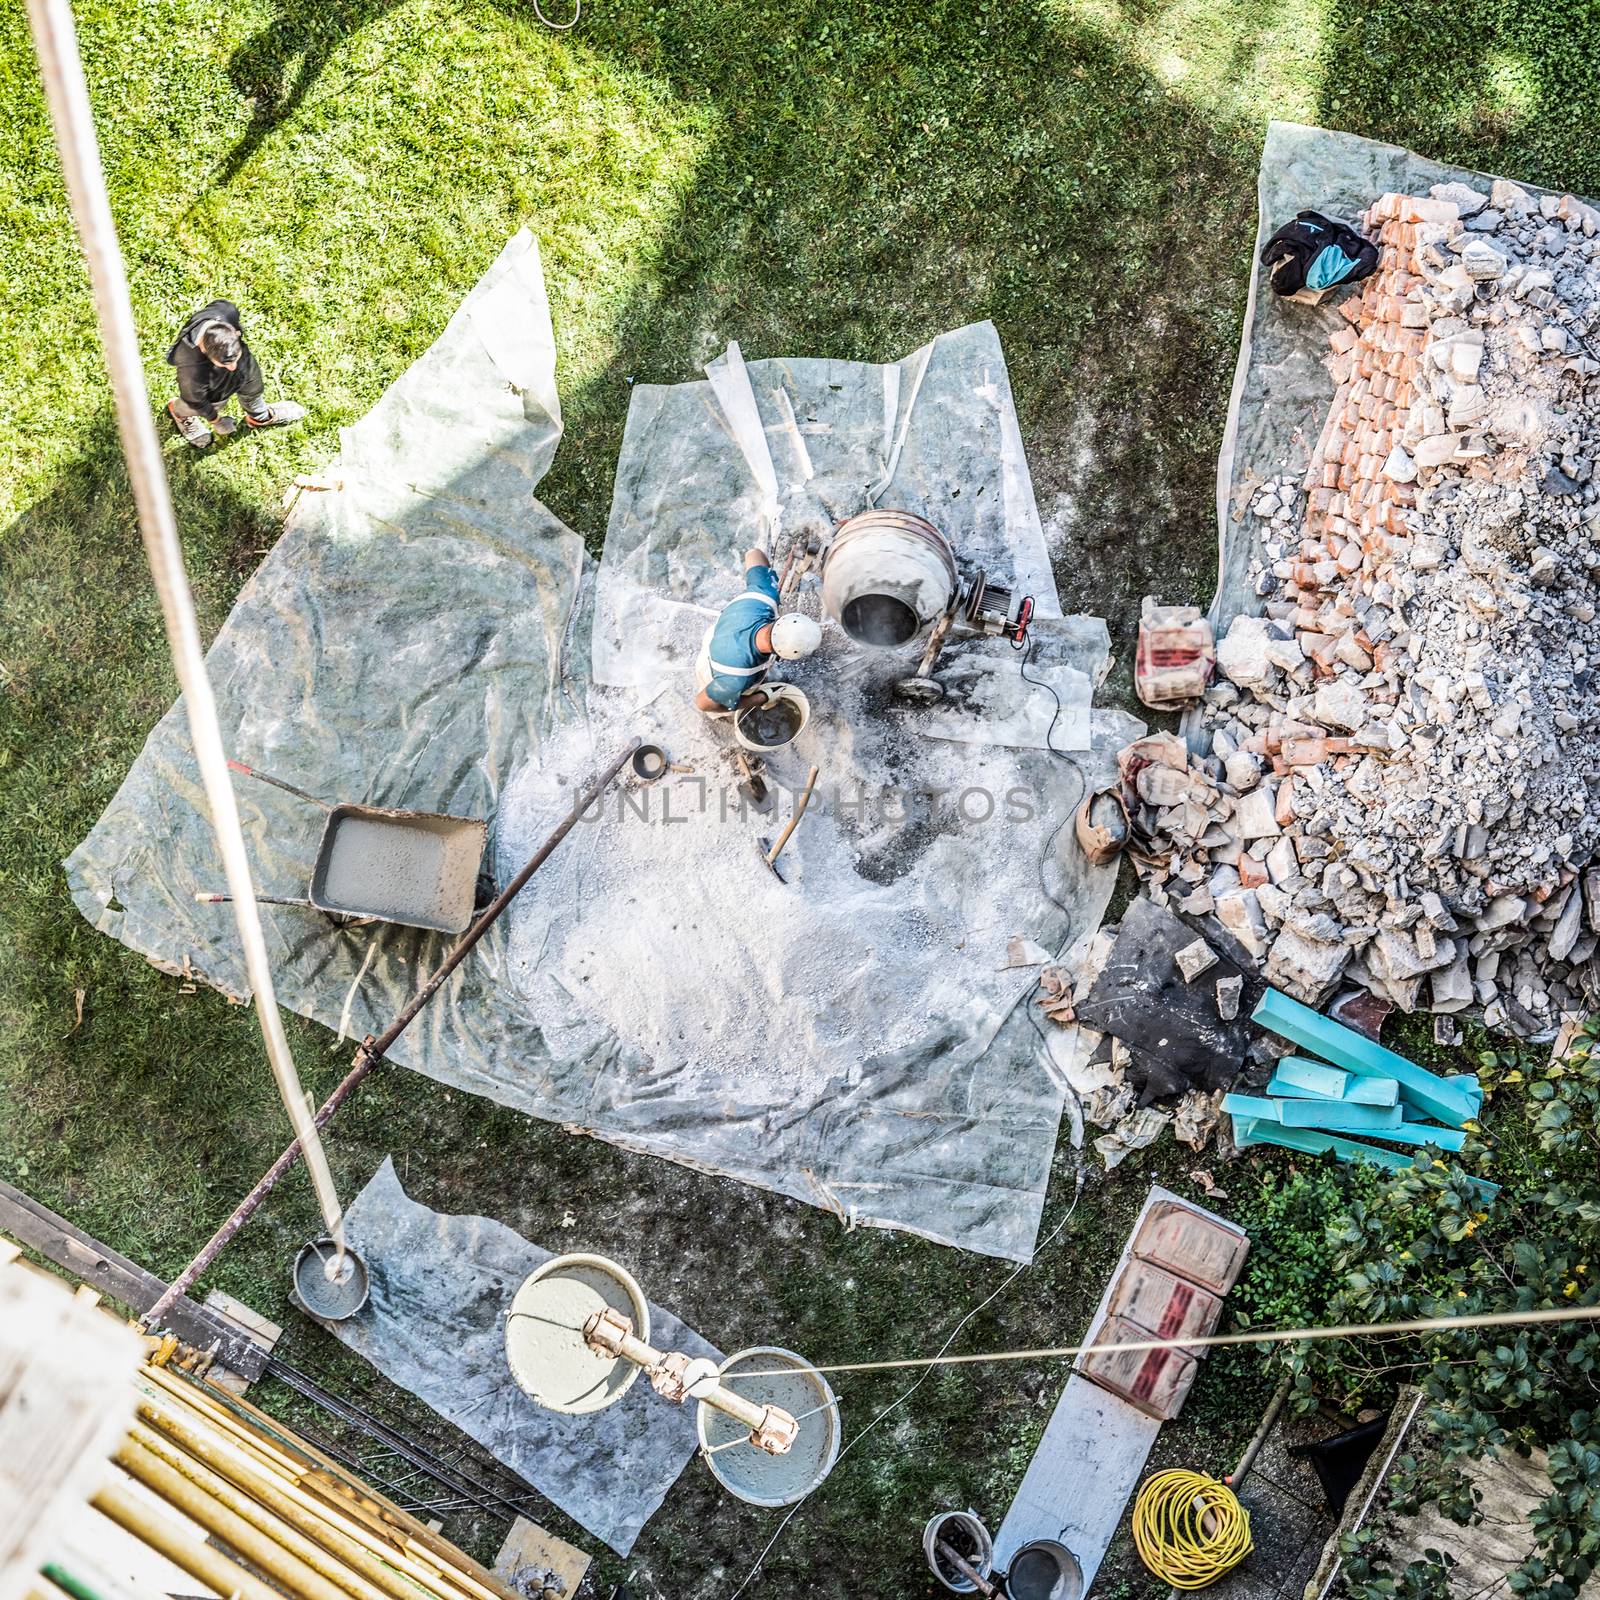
854, 1033
1281, 389
422, 636
435, 1325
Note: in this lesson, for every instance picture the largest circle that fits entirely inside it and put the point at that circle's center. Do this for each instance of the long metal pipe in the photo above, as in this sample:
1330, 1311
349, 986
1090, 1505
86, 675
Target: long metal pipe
308, 1544
372, 1051
56, 43
174, 1541
263, 1552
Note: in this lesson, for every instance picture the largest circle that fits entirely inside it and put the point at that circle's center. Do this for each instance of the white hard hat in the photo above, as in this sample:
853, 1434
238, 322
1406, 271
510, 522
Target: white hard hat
794, 634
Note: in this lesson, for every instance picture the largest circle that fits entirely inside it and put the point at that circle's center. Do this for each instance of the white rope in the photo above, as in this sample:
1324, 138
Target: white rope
55, 40
1354, 1330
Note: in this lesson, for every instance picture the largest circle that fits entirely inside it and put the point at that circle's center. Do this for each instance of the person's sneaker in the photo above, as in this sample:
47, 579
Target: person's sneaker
223, 426
279, 415
193, 429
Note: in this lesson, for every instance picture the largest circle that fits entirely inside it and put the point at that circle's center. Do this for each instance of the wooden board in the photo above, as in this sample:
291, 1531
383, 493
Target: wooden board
531, 1555
65, 1400
124, 1281
1093, 1451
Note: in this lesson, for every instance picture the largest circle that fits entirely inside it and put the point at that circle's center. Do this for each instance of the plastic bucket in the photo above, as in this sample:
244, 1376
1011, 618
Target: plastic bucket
752, 1474
968, 1537
545, 1348
783, 718
1044, 1569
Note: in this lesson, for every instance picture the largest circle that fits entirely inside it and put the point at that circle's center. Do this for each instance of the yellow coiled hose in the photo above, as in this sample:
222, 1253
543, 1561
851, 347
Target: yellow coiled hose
1189, 1529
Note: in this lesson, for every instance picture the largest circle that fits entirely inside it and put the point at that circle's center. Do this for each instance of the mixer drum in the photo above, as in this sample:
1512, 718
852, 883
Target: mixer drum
886, 575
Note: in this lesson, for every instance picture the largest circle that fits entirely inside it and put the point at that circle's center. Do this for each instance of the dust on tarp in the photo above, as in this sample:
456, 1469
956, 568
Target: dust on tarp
422, 637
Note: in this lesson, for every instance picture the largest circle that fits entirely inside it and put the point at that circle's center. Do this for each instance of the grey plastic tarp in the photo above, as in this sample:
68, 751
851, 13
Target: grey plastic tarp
421, 636
1281, 389
434, 1323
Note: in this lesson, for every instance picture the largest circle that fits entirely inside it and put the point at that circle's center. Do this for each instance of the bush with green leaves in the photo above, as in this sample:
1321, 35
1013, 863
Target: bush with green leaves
1435, 1241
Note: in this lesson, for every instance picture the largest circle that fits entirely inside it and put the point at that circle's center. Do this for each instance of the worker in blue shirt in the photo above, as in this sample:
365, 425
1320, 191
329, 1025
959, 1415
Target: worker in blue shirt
739, 646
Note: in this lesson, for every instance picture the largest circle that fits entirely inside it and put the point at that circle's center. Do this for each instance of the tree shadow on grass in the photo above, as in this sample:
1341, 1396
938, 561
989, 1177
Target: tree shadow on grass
279, 64
874, 183
87, 676
1506, 86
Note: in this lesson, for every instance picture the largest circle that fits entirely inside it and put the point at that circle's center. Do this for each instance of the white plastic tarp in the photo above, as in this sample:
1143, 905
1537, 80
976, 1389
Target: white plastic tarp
421, 637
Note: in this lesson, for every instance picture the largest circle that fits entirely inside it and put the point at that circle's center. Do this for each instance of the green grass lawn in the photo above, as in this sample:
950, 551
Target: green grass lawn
810, 178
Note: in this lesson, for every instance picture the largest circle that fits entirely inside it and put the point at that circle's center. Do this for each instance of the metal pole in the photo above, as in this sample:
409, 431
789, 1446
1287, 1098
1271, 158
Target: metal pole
178, 1544
372, 1051
56, 43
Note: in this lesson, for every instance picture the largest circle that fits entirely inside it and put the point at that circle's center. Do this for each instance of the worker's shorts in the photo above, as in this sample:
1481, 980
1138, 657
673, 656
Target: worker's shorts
703, 673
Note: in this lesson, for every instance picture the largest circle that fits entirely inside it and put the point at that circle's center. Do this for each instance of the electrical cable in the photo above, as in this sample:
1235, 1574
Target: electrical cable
894, 1405
1189, 1529
559, 27
61, 67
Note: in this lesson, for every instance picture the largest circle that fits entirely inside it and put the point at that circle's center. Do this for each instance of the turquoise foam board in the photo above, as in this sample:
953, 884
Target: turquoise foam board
1373, 1092
1425, 1133
1356, 1091
1301, 1078
1251, 1105
1251, 1130
1254, 1130
1287, 1018
1339, 1114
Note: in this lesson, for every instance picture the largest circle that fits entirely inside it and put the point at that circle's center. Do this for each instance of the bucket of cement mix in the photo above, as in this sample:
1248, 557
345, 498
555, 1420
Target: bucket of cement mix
545, 1348
330, 1299
970, 1540
1044, 1570
752, 1474
775, 724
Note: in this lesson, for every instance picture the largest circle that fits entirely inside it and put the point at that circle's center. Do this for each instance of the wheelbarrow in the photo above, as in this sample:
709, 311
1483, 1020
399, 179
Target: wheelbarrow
415, 868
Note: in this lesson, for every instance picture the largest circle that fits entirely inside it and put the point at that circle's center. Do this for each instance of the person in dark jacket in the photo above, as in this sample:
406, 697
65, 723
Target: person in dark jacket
215, 364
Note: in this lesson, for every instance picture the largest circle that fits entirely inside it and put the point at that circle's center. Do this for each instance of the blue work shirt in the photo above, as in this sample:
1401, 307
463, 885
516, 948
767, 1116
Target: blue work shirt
737, 663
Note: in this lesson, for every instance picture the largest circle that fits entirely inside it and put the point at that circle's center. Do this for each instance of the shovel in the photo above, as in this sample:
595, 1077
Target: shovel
769, 851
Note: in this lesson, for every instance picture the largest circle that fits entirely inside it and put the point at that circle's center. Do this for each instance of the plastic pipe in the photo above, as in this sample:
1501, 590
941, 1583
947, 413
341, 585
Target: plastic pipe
56, 43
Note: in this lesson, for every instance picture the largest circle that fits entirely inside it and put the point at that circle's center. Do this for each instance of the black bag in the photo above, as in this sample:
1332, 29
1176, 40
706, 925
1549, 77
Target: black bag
1317, 250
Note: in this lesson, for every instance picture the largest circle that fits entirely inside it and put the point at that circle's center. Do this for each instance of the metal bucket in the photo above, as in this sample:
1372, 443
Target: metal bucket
1044, 1569
971, 1541
784, 717
548, 1355
329, 1299
752, 1474
886, 575
649, 762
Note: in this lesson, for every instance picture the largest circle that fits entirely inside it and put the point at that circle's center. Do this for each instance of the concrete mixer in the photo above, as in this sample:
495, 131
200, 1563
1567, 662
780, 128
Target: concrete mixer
891, 577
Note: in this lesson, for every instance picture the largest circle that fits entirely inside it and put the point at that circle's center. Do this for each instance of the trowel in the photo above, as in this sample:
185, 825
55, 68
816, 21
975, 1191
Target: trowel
752, 785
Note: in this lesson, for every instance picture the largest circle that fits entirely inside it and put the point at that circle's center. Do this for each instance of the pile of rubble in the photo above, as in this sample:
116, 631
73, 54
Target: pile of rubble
1404, 746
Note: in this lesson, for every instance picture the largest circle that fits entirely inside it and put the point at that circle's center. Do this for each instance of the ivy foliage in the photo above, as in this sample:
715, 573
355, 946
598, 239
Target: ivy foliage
1434, 1241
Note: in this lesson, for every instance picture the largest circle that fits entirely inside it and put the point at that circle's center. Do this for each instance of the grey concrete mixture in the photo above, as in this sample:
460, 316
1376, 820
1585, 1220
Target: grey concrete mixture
435, 1324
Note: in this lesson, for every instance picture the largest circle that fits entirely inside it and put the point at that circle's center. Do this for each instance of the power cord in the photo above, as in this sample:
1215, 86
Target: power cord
559, 27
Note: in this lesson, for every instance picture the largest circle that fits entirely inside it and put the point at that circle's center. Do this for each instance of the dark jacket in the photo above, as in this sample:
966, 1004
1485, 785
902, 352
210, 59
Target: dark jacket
202, 383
